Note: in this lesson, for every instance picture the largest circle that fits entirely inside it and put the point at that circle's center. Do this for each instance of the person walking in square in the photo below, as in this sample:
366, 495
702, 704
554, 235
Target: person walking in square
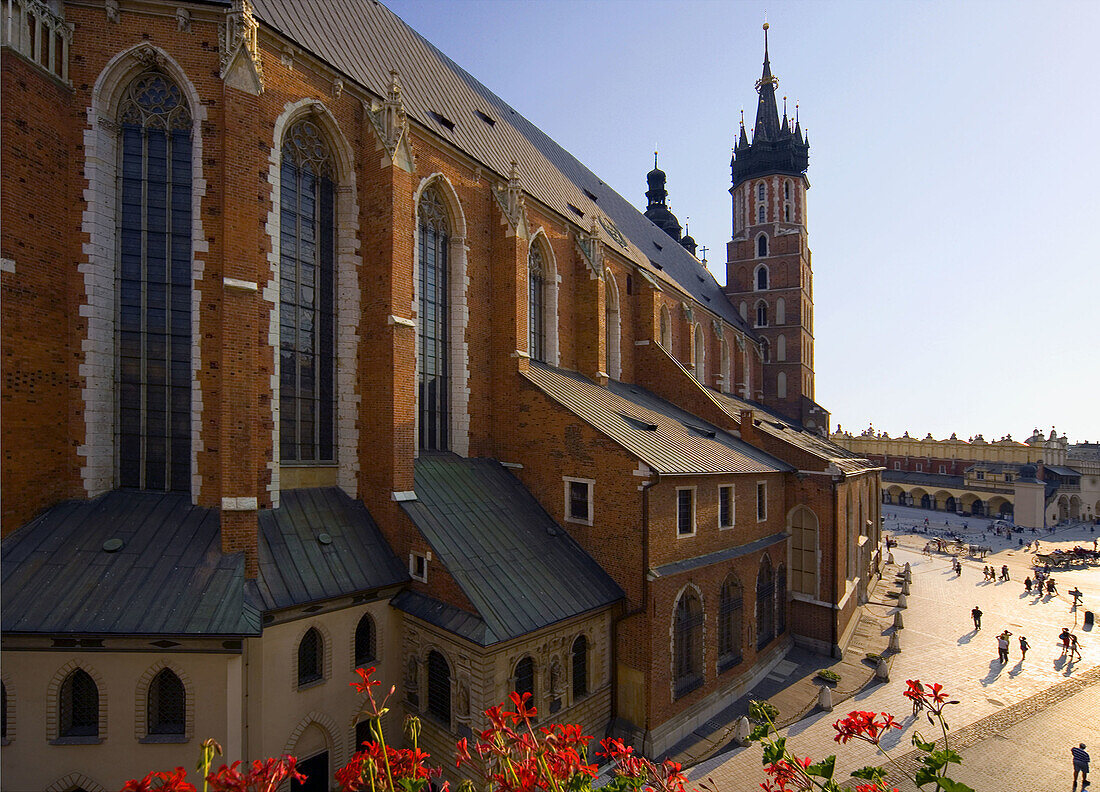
1027, 585
976, 614
1024, 646
1080, 765
1002, 646
1074, 649
1004, 572
1064, 638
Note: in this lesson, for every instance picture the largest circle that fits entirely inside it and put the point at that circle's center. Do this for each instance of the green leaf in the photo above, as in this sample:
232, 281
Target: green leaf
773, 751
870, 773
949, 755
925, 776
924, 746
822, 769
758, 733
947, 785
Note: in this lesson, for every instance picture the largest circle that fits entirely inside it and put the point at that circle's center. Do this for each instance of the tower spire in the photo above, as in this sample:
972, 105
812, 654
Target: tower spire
767, 113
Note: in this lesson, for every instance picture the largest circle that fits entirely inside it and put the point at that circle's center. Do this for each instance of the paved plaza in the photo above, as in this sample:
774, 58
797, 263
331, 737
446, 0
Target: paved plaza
1016, 722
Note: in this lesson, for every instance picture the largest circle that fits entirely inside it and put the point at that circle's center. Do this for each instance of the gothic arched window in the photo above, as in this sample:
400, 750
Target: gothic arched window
154, 286
761, 277
523, 679
79, 706
688, 644
439, 687
803, 530
364, 641
311, 657
166, 706
730, 615
781, 600
612, 328
580, 667
765, 604
433, 360
761, 314
307, 306
762, 245
666, 328
536, 304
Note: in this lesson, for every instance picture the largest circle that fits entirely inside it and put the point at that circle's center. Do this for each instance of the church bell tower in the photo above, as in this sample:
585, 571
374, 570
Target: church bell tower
768, 274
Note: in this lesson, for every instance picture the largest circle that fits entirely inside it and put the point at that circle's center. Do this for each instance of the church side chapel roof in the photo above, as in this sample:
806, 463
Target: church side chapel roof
148, 563
365, 40
165, 573
668, 439
502, 549
320, 544
776, 425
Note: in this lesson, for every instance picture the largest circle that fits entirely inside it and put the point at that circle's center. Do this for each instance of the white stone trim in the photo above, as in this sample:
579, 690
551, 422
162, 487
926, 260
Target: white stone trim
550, 282
459, 308
348, 263
7, 265
403, 497
613, 335
237, 283
239, 504
98, 267
400, 320
567, 480
694, 510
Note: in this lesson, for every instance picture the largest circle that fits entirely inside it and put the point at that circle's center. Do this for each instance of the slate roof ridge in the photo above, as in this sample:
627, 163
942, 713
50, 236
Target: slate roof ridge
674, 449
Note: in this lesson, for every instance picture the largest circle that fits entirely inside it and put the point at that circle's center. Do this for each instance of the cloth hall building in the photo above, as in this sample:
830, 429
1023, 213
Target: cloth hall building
317, 355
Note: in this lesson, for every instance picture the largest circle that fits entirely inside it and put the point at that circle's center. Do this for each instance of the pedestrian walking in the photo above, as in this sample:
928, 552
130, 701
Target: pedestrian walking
1002, 646
1024, 646
1027, 585
1004, 572
976, 614
1077, 595
1064, 637
1074, 649
957, 567
1051, 587
918, 702
1080, 766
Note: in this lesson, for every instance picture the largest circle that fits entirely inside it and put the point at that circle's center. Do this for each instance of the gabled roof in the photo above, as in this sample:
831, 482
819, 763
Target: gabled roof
520, 570
770, 422
668, 439
365, 40
167, 577
320, 544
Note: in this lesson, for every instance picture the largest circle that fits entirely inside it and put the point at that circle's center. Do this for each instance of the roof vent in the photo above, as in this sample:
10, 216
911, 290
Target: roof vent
486, 118
637, 423
591, 196
324, 538
657, 246
700, 431
164, 643
576, 211
112, 545
443, 121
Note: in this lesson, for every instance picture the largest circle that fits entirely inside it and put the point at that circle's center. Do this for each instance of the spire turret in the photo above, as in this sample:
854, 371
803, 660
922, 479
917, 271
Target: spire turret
658, 210
775, 147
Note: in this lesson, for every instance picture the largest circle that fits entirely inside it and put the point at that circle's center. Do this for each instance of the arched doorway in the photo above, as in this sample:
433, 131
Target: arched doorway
949, 504
313, 745
925, 501
977, 508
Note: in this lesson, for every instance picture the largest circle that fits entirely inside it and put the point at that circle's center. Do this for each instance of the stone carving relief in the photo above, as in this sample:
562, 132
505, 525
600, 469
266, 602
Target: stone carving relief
391, 125
240, 49
510, 199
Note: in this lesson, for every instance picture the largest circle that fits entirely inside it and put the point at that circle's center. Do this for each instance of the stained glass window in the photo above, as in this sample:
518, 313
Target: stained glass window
153, 283
433, 380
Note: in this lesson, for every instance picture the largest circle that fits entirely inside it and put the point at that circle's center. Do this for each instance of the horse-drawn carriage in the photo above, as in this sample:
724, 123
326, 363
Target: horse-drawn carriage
1057, 559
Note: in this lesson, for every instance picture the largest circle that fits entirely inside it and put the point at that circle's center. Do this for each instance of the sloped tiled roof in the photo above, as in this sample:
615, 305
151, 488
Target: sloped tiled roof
776, 425
668, 439
365, 40
169, 577
297, 567
520, 570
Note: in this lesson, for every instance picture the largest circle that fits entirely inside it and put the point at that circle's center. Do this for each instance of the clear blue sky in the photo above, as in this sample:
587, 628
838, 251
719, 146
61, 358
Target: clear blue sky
953, 209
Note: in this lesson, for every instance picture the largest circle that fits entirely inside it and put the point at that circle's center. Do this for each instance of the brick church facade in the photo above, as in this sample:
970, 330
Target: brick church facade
318, 355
